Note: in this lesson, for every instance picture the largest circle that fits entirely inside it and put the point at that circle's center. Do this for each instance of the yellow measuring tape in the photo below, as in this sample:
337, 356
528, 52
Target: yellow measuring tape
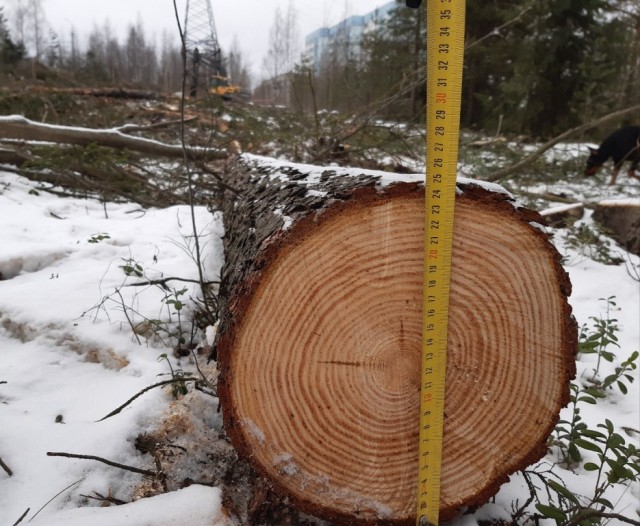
445, 50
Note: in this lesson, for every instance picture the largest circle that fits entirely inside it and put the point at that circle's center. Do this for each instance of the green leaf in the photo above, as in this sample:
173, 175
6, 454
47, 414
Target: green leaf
574, 453
551, 512
596, 393
622, 387
604, 502
590, 466
591, 433
615, 441
584, 444
561, 490
607, 355
619, 469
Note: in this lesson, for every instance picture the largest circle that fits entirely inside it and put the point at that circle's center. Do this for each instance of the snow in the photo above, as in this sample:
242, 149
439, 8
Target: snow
560, 209
171, 509
314, 173
60, 258
630, 201
68, 355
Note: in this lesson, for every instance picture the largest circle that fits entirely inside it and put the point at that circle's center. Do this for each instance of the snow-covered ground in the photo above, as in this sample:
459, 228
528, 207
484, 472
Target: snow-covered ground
66, 361
68, 356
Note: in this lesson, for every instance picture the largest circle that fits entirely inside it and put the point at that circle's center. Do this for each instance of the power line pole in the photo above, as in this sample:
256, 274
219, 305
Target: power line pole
203, 53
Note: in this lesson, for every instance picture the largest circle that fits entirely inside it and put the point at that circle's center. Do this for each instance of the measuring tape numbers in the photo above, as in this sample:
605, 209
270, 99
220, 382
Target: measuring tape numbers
445, 51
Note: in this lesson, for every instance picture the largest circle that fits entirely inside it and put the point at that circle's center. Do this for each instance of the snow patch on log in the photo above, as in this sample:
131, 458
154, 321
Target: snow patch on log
308, 174
631, 201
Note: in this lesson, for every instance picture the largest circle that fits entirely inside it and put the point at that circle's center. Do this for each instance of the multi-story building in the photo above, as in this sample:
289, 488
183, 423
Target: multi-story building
344, 36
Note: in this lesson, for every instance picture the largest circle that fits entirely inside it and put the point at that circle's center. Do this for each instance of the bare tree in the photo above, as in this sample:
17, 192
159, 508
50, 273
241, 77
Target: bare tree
170, 66
20, 21
238, 70
283, 50
37, 23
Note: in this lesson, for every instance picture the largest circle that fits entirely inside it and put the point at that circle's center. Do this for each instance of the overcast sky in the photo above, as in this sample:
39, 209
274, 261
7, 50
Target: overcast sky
247, 20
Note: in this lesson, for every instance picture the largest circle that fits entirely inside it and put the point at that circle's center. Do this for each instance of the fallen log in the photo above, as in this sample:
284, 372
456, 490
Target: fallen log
320, 332
112, 93
18, 127
621, 218
563, 216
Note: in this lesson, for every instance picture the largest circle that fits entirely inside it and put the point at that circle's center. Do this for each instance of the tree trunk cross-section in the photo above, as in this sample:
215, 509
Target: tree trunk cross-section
319, 342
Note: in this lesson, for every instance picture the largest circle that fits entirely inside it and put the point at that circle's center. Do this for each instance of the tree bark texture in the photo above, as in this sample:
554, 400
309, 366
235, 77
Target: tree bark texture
319, 341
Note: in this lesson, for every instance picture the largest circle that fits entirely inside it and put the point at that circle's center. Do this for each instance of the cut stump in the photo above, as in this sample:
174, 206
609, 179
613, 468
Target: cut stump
320, 334
621, 219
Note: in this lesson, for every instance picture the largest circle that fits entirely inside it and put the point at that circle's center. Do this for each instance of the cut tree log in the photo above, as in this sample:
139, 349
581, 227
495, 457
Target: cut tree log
319, 341
621, 218
563, 216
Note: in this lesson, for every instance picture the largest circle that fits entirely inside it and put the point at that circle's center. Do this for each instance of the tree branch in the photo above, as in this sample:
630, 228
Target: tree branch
5, 467
501, 174
22, 517
104, 461
159, 384
129, 128
18, 127
164, 281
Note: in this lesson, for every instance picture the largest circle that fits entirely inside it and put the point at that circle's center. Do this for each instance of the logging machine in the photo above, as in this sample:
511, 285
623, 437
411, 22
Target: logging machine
445, 50
203, 54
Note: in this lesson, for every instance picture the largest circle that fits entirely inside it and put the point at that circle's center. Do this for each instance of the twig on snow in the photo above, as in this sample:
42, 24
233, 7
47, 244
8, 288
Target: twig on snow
126, 314
163, 282
159, 384
54, 497
101, 498
22, 517
5, 467
104, 461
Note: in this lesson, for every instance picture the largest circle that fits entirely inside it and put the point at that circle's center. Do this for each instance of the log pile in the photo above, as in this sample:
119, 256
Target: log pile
320, 338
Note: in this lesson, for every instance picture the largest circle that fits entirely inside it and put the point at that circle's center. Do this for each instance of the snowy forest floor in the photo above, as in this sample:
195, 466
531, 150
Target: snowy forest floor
90, 316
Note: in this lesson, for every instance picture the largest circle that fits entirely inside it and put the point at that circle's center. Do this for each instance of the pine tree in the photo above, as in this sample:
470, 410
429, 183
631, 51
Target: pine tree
395, 56
10, 53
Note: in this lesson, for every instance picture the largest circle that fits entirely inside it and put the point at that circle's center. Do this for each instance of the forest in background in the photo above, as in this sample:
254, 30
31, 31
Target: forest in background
533, 68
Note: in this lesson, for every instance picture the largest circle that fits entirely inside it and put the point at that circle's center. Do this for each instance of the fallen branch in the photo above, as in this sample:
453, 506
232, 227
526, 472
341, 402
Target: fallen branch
509, 170
104, 461
159, 384
54, 498
18, 127
129, 128
112, 93
5, 467
12, 157
163, 282
103, 499
22, 517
